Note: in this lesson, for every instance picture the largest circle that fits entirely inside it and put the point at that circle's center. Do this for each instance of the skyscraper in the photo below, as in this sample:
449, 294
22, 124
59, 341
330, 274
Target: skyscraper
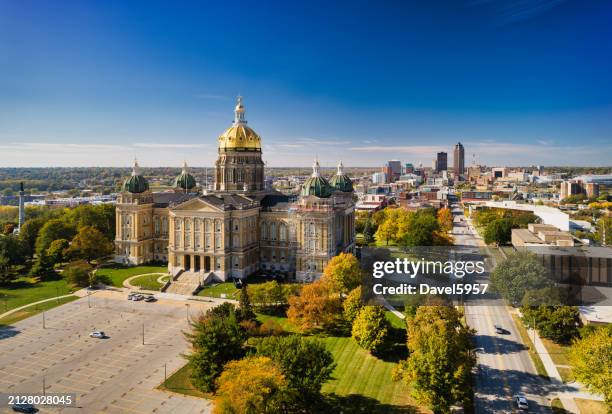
441, 162
459, 160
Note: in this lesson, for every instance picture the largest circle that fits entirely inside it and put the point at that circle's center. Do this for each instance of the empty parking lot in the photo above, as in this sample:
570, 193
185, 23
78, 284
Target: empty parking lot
118, 374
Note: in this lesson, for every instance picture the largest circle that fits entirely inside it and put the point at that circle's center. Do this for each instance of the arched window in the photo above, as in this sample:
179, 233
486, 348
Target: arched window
283, 232
273, 231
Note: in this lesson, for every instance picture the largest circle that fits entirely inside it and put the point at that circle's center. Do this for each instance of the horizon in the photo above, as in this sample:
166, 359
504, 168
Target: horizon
518, 84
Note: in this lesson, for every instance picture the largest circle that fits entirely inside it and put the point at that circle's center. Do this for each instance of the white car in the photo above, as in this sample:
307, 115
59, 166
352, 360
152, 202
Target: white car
97, 334
137, 297
521, 402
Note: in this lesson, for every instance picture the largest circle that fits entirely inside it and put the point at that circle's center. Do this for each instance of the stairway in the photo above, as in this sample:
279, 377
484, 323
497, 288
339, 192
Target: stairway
185, 284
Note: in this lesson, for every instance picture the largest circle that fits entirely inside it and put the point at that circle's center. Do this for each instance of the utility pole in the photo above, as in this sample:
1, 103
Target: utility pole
43, 315
143, 334
88, 300
165, 376
44, 386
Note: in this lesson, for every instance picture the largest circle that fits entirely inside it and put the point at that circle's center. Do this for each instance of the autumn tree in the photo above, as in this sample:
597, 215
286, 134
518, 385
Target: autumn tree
57, 250
317, 306
53, 229
251, 385
386, 231
77, 273
438, 369
591, 359
90, 244
371, 328
445, 219
343, 272
352, 304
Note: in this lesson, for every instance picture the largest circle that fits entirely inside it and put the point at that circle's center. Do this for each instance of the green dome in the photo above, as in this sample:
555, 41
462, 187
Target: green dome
341, 181
316, 185
185, 181
136, 183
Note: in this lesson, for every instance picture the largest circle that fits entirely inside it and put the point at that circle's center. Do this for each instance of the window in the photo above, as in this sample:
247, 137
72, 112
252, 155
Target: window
197, 224
217, 225
283, 232
264, 230
177, 224
157, 225
207, 241
198, 240
273, 231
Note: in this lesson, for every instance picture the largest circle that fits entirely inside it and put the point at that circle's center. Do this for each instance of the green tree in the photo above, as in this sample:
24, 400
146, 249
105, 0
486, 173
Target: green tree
101, 216
305, 363
591, 359
53, 229
352, 304
498, 231
78, 273
245, 307
90, 244
215, 341
438, 369
557, 323
422, 227
343, 272
29, 233
11, 254
371, 328
57, 250
386, 231
519, 273
253, 385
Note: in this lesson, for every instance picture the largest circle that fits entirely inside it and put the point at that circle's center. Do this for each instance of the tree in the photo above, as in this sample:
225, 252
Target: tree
245, 307
498, 231
445, 219
421, 229
57, 250
101, 216
368, 232
316, 307
343, 272
53, 229
215, 341
11, 254
29, 232
386, 231
251, 385
271, 296
591, 359
519, 273
90, 244
371, 328
78, 273
557, 323
438, 369
352, 304
305, 363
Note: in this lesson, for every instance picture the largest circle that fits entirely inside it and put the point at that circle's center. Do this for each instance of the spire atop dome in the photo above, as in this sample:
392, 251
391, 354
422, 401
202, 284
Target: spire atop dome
239, 112
185, 168
315, 169
135, 168
340, 169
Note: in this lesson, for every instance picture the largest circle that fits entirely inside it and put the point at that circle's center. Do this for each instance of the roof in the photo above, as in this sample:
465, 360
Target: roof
526, 236
165, 199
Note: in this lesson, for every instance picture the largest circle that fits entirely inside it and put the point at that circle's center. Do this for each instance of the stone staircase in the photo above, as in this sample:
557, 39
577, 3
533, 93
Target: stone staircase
186, 283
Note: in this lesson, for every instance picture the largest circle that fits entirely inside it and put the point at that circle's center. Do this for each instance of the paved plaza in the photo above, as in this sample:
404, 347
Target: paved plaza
114, 375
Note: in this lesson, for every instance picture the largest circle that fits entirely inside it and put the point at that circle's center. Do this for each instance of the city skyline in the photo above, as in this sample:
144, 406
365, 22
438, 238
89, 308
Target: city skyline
97, 84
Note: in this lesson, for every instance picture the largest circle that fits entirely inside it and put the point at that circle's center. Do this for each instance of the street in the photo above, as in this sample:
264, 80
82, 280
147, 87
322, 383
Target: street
504, 365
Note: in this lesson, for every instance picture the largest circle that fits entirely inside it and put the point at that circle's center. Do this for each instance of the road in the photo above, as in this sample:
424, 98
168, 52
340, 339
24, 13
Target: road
504, 365
114, 375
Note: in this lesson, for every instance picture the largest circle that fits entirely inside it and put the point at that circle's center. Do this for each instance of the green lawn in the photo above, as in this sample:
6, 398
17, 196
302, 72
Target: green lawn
396, 322
116, 274
283, 322
591, 407
148, 282
25, 290
34, 310
557, 407
559, 354
359, 373
215, 291
181, 383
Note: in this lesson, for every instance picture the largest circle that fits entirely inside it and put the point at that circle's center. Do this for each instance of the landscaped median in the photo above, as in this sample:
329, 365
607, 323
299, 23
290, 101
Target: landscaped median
27, 311
115, 275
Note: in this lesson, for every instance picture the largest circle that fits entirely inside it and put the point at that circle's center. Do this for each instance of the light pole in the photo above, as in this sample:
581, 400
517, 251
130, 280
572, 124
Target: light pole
89, 300
143, 334
187, 308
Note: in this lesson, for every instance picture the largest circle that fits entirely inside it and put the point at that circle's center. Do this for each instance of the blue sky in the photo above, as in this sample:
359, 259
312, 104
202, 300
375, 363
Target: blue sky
95, 83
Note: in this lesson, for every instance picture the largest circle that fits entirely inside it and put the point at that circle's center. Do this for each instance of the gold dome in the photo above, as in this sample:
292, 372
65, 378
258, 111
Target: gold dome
239, 137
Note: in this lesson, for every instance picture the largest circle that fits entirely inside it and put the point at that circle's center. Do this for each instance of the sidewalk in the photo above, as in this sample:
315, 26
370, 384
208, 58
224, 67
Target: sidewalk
2, 315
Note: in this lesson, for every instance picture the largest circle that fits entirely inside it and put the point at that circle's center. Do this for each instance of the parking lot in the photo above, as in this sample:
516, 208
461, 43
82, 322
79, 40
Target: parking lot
118, 374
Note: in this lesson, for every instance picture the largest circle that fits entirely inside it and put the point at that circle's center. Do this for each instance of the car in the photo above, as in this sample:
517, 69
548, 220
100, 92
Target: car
499, 330
137, 297
521, 402
97, 334
24, 408
130, 296
150, 299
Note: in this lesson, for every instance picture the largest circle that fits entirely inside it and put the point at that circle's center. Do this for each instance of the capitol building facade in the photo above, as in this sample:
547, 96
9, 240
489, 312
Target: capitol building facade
237, 226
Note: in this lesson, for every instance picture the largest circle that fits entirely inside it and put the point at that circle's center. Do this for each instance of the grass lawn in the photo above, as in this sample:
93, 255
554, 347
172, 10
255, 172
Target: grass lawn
359, 373
181, 383
34, 310
215, 291
396, 322
116, 274
558, 353
25, 290
557, 407
567, 375
148, 282
531, 349
591, 407
282, 321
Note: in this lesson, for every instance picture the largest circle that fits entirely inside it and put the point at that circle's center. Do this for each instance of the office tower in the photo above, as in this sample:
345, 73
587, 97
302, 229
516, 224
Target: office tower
459, 160
441, 162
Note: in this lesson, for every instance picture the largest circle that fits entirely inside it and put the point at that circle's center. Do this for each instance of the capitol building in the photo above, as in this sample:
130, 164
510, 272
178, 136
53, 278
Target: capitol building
235, 227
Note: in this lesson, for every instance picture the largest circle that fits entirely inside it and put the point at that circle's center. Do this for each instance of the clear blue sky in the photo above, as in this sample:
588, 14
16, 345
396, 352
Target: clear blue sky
99, 82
